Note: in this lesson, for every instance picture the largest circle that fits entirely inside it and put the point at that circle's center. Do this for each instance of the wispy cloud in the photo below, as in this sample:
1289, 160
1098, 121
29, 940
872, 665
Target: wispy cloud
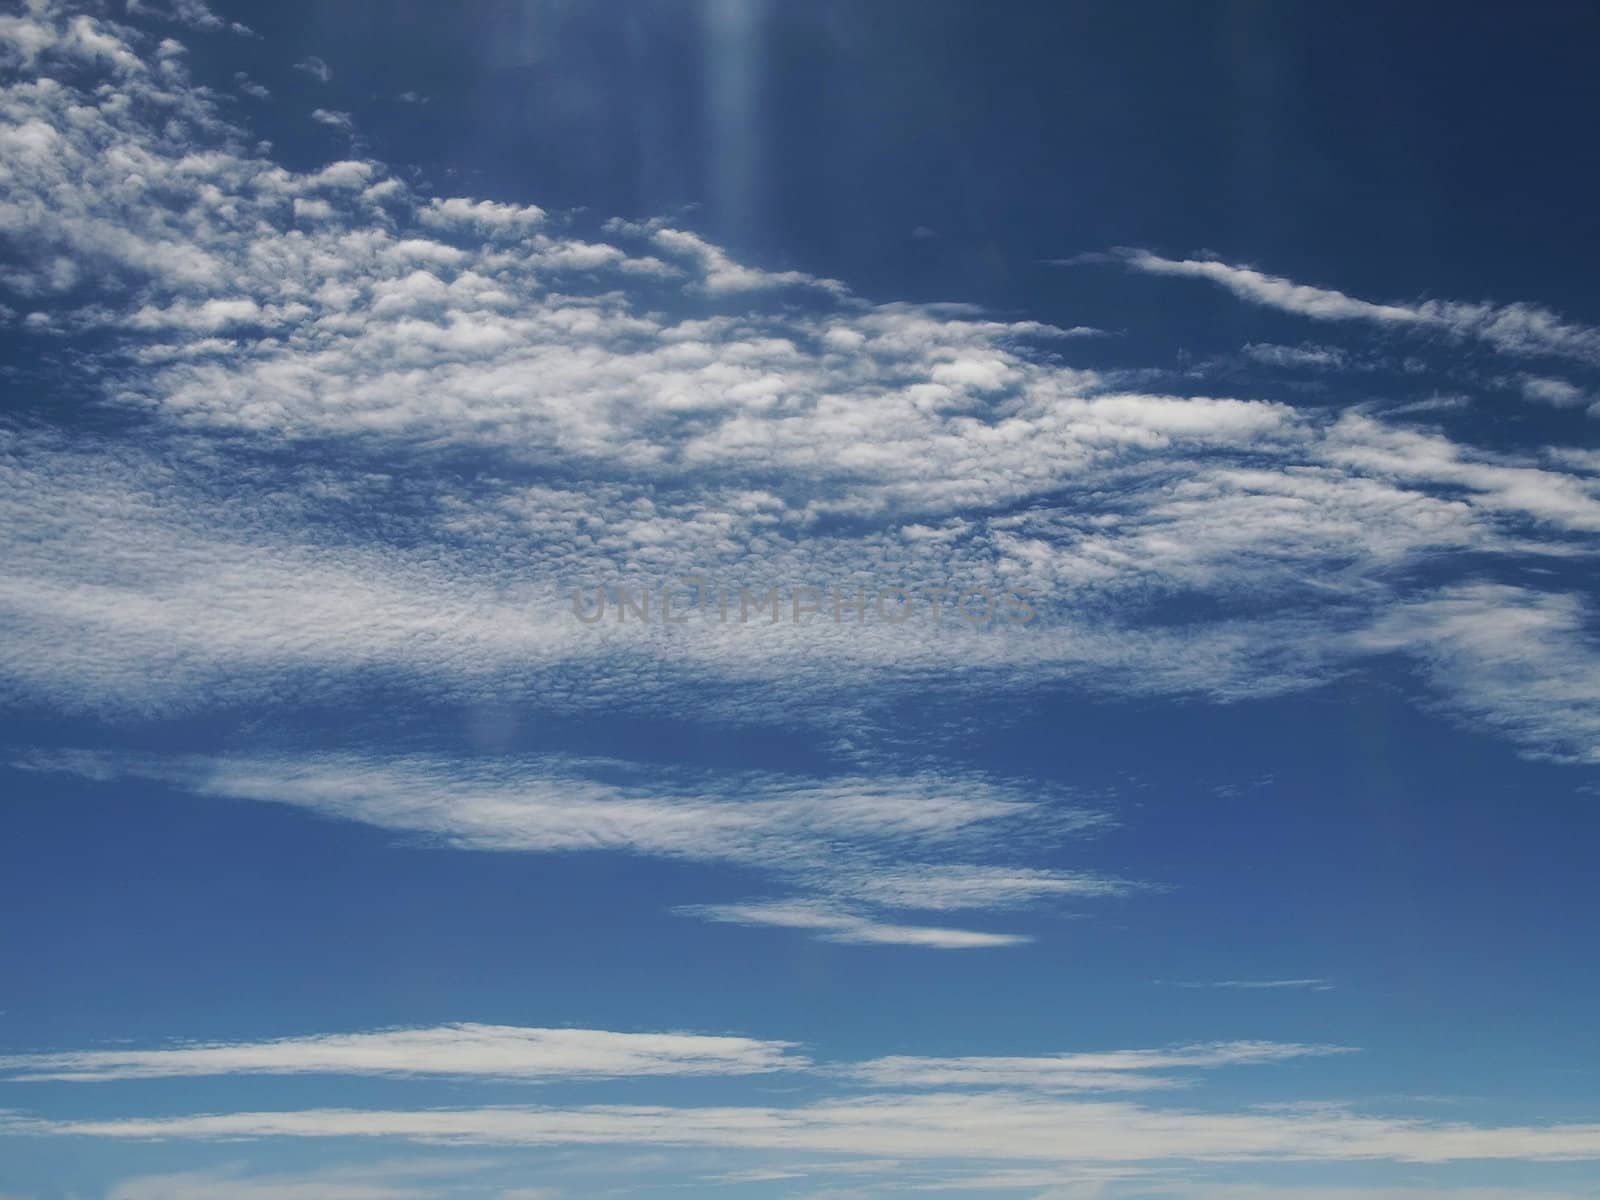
1519, 328
490, 1051
277, 348
831, 836
1302, 356
1206, 1190
1315, 985
719, 274
1191, 1189
1509, 657
995, 1127
834, 923
986, 1111
404, 1179
1118, 1070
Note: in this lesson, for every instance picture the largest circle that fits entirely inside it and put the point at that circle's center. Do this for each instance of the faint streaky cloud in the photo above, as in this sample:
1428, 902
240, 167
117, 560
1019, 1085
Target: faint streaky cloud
1429, 404
1512, 658
1116, 1070
545, 804
1315, 985
989, 1127
754, 1175
404, 1179
492, 1051
855, 845
833, 923
1518, 328
315, 67
1186, 1190
1304, 355
949, 886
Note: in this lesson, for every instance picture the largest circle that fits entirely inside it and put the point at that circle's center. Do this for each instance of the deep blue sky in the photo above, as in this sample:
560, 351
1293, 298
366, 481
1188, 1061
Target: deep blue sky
1365, 146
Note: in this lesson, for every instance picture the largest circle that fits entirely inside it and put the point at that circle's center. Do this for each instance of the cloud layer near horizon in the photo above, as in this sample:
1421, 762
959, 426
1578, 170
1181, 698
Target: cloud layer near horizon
994, 1127
989, 1109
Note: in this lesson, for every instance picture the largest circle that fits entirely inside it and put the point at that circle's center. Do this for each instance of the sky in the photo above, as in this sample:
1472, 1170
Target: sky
797, 601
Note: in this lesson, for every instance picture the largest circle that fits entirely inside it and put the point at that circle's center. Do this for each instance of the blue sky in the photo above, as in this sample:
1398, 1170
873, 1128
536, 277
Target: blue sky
1098, 692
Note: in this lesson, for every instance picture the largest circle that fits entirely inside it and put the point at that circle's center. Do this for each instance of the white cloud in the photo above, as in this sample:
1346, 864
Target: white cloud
1560, 393
1512, 658
481, 215
193, 14
257, 91
833, 923
951, 887
1117, 1070
1519, 329
334, 119
1315, 985
721, 275
489, 1051
980, 1126
1304, 355
1199, 1190
680, 421
398, 1180
938, 1122
1429, 404
831, 836
315, 67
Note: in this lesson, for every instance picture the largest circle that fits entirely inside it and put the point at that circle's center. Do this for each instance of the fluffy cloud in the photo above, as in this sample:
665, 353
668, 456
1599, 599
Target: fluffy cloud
638, 407
315, 67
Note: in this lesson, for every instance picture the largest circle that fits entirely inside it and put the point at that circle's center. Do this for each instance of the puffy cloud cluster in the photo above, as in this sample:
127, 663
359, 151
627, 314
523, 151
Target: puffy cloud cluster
367, 428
